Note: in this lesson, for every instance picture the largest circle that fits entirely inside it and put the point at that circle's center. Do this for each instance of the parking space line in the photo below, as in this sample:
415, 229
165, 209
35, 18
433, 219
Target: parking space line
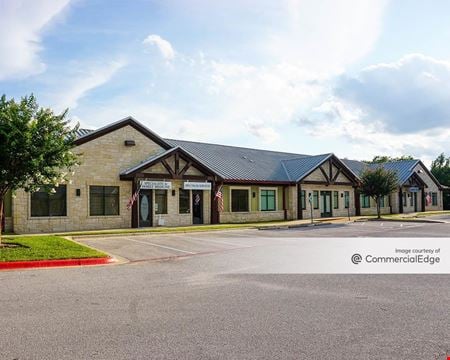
225, 243
162, 246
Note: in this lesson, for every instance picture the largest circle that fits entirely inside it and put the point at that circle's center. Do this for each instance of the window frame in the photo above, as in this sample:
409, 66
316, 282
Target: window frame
249, 205
48, 199
335, 199
156, 207
434, 198
103, 200
315, 202
382, 202
275, 190
346, 199
363, 201
303, 199
405, 199
189, 202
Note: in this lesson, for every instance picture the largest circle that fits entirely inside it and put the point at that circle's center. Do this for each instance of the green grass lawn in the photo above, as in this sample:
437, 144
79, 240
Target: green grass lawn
45, 248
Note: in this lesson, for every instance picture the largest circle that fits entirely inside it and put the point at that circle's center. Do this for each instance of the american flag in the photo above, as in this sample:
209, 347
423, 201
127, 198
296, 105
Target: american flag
219, 197
133, 199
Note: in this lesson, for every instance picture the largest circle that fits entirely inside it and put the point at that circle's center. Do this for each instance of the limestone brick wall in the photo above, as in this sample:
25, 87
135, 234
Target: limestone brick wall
102, 161
173, 217
253, 216
339, 212
8, 224
431, 187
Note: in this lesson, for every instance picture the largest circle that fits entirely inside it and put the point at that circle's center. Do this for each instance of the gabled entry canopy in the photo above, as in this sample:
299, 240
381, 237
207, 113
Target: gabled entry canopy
324, 169
175, 163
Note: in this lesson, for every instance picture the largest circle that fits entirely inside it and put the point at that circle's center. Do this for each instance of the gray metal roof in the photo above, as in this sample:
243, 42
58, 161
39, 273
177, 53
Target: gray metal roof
238, 163
403, 168
82, 132
297, 169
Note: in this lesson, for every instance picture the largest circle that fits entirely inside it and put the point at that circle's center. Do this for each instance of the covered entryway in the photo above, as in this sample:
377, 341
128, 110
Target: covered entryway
145, 208
325, 202
173, 188
197, 207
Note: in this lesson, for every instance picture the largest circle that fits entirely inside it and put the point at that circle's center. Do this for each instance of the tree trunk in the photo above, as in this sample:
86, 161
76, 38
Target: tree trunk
378, 208
1, 217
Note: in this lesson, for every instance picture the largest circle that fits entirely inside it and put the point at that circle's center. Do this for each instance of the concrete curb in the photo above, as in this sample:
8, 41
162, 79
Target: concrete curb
410, 220
13, 265
297, 226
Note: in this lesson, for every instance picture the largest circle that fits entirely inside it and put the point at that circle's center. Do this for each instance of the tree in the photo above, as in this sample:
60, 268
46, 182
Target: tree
440, 168
35, 147
380, 159
378, 183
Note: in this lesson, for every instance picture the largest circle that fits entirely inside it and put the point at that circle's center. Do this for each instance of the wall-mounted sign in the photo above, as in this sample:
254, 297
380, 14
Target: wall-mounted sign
188, 185
413, 189
156, 185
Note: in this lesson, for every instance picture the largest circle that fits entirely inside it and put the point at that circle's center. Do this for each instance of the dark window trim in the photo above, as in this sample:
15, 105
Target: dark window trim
48, 199
188, 192
316, 199
248, 200
166, 193
335, 199
267, 199
103, 200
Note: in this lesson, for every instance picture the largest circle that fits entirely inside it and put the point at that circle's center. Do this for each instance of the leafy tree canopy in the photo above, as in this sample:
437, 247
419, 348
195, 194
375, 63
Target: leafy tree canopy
377, 183
35, 146
440, 168
380, 159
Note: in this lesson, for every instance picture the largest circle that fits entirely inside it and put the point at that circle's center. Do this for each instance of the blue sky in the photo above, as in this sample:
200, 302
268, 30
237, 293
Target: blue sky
354, 78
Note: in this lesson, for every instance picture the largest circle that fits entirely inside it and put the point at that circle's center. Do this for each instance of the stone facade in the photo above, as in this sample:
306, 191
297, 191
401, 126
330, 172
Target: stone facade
102, 160
105, 157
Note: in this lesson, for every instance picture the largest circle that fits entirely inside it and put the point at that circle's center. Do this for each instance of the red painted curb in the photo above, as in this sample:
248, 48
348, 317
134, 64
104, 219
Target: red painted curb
8, 265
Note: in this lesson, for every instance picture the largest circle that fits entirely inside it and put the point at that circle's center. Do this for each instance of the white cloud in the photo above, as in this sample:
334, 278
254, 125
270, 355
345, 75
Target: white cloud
405, 96
164, 47
326, 35
21, 24
77, 84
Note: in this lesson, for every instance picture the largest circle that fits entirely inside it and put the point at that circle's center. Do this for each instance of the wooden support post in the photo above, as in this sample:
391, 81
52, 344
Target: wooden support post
299, 202
357, 203
400, 201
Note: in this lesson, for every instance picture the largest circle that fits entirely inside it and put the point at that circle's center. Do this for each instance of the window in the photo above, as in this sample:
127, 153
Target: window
184, 199
303, 199
405, 200
160, 201
411, 199
268, 200
382, 204
239, 200
54, 203
434, 200
365, 201
103, 200
336, 199
316, 199
347, 199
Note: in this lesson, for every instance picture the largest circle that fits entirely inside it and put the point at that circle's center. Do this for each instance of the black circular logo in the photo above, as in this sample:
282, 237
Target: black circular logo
356, 259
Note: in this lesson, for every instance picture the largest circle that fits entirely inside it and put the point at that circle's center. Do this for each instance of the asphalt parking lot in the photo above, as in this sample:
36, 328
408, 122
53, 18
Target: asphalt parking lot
192, 297
148, 247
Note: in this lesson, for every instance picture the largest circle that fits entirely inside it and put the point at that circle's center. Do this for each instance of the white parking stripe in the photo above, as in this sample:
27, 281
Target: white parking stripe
161, 246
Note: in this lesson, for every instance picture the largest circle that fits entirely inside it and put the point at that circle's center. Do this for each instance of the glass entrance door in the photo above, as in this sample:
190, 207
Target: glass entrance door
197, 207
326, 204
145, 208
